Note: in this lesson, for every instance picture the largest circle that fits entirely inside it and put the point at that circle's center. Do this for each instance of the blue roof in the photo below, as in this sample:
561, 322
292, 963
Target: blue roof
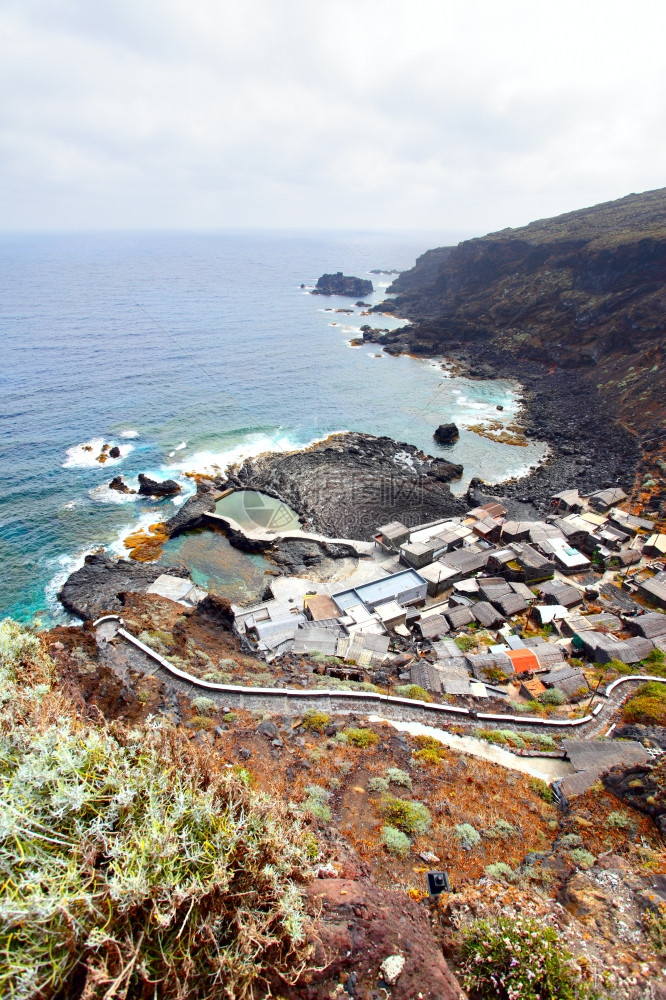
379, 590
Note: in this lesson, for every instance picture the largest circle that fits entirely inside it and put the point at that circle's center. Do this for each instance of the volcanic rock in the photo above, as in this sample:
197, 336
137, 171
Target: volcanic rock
446, 434
98, 586
190, 515
118, 484
153, 488
114, 452
342, 284
349, 484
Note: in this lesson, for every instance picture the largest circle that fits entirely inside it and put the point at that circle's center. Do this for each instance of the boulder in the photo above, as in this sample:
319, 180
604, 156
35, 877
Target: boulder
100, 583
446, 434
118, 484
153, 488
342, 284
114, 452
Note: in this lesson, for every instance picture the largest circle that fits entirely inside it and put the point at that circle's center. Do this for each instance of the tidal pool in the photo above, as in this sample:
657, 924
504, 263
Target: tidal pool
218, 567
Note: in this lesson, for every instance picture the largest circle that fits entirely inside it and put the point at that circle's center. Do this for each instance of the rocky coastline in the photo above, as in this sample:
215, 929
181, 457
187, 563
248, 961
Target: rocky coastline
347, 485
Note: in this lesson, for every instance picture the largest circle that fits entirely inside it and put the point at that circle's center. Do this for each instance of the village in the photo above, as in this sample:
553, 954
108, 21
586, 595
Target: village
524, 619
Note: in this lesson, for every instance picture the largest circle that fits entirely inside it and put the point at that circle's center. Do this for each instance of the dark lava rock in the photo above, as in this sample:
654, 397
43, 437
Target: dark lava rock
446, 434
649, 736
298, 557
153, 488
190, 515
118, 484
98, 586
342, 284
350, 484
363, 305
268, 728
215, 610
642, 786
114, 452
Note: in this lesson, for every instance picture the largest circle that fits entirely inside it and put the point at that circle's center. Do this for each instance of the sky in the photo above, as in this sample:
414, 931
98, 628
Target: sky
462, 115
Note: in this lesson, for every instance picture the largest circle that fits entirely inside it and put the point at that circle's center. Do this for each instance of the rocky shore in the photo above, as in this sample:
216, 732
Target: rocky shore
586, 448
347, 485
100, 583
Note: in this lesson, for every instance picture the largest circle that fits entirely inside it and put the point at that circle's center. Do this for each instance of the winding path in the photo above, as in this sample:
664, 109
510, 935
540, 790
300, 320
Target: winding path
293, 701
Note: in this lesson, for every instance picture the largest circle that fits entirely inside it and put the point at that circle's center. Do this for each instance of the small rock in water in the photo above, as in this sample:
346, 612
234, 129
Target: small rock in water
499, 406
446, 434
114, 452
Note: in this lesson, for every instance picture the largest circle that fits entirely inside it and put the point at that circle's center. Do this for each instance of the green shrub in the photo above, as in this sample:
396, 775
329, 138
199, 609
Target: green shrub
512, 738
230, 717
648, 705
414, 692
315, 803
395, 841
204, 705
618, 821
378, 785
465, 643
501, 872
517, 958
467, 835
552, 696
316, 721
571, 840
217, 677
361, 737
543, 789
503, 829
129, 866
543, 741
582, 857
413, 818
654, 924
430, 751
203, 722
398, 777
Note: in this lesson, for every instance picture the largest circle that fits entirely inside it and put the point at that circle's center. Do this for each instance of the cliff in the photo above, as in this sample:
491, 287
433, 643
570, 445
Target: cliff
585, 291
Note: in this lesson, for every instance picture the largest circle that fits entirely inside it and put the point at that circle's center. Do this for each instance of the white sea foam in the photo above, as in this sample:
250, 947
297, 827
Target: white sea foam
79, 457
216, 462
104, 494
129, 434
183, 444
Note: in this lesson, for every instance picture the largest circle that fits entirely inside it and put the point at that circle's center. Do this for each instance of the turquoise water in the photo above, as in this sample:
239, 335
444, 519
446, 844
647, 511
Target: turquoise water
216, 566
189, 351
255, 511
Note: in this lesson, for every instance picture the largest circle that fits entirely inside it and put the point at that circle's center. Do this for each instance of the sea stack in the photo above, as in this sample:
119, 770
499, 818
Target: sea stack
446, 434
342, 284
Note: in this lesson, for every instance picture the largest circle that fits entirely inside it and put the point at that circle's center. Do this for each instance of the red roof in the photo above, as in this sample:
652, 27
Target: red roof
523, 660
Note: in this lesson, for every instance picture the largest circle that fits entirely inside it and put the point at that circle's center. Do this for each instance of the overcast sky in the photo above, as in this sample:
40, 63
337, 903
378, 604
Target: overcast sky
470, 115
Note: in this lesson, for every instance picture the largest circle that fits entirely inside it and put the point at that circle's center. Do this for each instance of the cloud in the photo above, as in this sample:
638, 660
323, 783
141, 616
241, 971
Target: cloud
476, 115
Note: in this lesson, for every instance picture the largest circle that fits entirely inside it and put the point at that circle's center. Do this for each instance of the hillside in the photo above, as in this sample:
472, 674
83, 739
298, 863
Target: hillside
585, 292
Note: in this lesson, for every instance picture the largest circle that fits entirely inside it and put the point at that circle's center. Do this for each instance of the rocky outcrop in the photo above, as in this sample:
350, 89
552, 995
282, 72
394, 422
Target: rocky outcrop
98, 586
584, 292
153, 488
342, 284
642, 786
349, 484
311, 559
190, 515
446, 434
358, 926
119, 484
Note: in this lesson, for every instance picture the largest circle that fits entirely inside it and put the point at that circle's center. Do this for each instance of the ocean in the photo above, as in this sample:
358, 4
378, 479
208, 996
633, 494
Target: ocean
189, 351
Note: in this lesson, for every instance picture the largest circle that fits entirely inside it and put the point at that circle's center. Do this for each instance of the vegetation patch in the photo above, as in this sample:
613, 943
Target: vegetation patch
395, 841
413, 818
413, 691
127, 862
519, 958
648, 705
361, 737
467, 835
316, 721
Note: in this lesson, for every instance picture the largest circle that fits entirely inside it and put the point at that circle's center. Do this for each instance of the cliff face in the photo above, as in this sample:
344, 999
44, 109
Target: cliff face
584, 291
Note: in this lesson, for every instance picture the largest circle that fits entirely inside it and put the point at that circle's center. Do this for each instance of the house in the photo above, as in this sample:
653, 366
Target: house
629, 522
531, 689
654, 589
488, 529
556, 592
516, 531
549, 655
592, 758
494, 587
490, 666
316, 640
391, 536
450, 539
655, 546
567, 501
406, 587
576, 531
543, 532
491, 509
319, 607
649, 625
487, 615
363, 648
459, 617
603, 500
519, 561
627, 557
432, 627
179, 589
545, 614
570, 680
568, 558
438, 578
427, 676
464, 562
578, 623
604, 648
391, 614
510, 604
524, 591
524, 660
